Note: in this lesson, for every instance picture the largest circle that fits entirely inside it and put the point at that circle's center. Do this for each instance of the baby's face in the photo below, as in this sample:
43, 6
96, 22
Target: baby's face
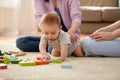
51, 32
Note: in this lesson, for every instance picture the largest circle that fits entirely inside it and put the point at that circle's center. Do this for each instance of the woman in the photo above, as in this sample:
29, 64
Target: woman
104, 41
70, 14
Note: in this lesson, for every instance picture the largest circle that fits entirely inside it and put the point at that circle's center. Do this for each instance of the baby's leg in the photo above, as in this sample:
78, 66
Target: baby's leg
55, 53
78, 52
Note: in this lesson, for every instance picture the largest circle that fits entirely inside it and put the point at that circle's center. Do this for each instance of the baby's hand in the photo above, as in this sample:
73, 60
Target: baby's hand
46, 56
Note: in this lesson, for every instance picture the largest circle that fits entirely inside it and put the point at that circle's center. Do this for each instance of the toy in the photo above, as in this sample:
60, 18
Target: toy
11, 59
66, 66
7, 53
6, 60
54, 60
27, 62
1, 61
15, 61
1, 57
18, 53
3, 66
40, 61
1, 53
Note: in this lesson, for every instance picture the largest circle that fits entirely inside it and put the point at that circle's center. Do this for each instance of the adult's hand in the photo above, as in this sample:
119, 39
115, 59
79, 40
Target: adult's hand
102, 36
72, 36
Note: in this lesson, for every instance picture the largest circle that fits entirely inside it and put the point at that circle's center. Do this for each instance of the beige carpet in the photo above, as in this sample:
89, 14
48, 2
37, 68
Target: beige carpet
85, 68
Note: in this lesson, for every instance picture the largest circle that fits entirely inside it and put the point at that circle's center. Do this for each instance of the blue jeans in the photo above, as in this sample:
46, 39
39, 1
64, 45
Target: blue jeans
109, 48
30, 44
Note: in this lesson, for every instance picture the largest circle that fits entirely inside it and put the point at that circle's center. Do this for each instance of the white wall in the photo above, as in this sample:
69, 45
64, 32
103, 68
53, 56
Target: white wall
17, 17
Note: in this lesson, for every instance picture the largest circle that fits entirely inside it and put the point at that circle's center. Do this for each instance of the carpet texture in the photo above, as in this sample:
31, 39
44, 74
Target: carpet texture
85, 68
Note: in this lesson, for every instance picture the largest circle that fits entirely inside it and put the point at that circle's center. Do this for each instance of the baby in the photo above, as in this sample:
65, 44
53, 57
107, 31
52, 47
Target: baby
59, 40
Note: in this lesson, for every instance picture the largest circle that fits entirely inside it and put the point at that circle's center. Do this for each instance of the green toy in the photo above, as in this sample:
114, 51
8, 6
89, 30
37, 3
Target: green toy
15, 61
27, 63
6, 60
56, 61
1, 53
7, 53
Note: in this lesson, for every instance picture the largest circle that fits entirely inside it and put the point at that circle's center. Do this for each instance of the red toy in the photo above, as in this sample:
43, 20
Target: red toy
40, 61
1, 57
3, 66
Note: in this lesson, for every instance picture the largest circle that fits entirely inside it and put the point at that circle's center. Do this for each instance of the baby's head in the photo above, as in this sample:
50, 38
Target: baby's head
51, 25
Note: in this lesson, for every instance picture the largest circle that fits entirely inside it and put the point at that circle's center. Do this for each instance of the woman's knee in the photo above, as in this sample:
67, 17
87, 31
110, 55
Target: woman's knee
87, 46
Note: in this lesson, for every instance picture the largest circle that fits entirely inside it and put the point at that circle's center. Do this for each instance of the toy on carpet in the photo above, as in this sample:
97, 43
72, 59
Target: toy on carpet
27, 62
55, 60
1, 57
11, 59
66, 66
18, 53
3, 66
40, 61
2, 53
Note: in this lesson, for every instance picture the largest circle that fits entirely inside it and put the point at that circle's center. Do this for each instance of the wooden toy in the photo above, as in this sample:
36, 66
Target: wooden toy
1, 53
18, 53
40, 61
1, 61
6, 60
3, 66
27, 62
66, 66
16, 61
1, 57
7, 53
56, 61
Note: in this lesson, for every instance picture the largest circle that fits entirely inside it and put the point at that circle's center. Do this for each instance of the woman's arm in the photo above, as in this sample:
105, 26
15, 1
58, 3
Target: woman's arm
107, 33
116, 33
110, 28
75, 14
39, 6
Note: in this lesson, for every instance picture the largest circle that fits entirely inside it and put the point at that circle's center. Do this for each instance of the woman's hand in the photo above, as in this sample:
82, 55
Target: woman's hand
73, 37
102, 35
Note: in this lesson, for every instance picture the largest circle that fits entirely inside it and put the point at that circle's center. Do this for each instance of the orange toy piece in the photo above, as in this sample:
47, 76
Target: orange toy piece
40, 61
39, 58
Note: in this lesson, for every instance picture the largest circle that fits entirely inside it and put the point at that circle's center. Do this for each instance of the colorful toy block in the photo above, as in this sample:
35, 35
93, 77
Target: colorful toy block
11, 59
1, 57
66, 66
27, 62
6, 60
56, 61
40, 61
1, 61
7, 53
1, 53
18, 53
3, 66
15, 61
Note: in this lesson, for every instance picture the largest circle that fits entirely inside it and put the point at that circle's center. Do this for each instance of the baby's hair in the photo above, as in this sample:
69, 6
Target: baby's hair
50, 18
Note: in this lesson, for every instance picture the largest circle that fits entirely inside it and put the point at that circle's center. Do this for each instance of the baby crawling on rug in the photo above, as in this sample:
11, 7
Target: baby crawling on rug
59, 40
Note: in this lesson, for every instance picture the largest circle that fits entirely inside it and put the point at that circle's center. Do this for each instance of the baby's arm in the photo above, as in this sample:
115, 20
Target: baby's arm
42, 48
64, 51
